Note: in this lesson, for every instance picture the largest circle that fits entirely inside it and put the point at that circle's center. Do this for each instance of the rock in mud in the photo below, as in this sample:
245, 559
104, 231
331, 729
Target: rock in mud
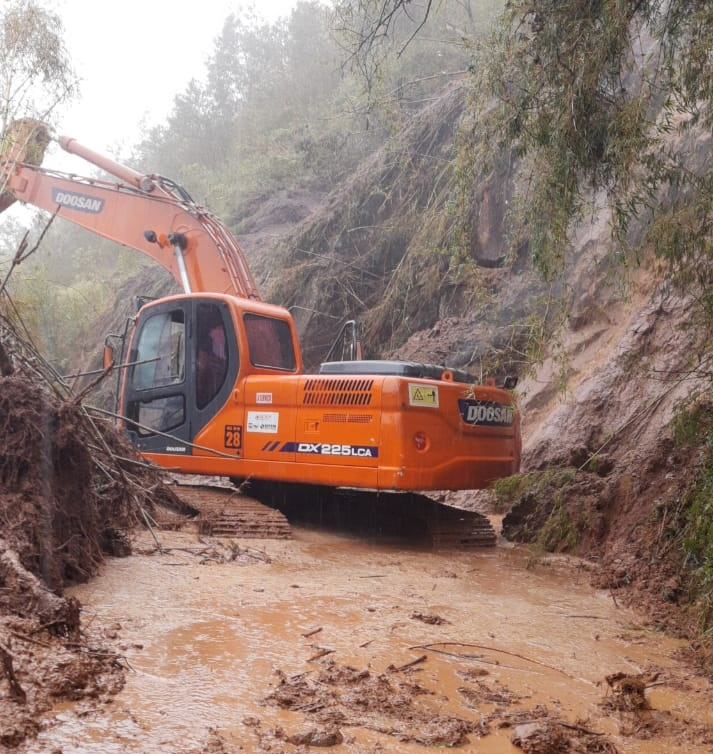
540, 738
315, 737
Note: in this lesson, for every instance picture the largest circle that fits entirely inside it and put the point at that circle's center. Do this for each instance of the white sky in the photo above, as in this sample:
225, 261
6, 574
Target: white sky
133, 57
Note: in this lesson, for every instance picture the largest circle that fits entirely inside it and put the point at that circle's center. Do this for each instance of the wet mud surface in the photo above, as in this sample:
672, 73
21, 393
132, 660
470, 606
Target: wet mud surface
322, 641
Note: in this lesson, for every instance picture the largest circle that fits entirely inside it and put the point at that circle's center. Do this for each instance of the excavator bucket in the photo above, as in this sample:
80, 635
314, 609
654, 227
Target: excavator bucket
23, 141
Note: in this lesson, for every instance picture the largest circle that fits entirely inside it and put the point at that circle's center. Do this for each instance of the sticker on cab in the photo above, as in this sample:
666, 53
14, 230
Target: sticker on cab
263, 421
422, 395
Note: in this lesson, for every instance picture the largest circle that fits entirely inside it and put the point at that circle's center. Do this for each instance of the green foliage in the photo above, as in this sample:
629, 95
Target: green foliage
557, 74
10, 237
509, 490
560, 530
265, 117
35, 70
606, 99
692, 425
392, 43
553, 526
61, 289
279, 108
56, 316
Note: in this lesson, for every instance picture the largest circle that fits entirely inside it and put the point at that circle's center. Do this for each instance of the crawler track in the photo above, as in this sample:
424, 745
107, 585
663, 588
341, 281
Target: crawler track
409, 518
454, 528
224, 512
269, 509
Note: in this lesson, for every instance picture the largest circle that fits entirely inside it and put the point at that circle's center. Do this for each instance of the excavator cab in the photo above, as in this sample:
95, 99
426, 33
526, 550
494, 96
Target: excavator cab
186, 356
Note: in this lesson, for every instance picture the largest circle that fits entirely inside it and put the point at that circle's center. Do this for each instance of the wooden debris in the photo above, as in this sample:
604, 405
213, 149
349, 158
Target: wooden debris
407, 666
17, 693
320, 654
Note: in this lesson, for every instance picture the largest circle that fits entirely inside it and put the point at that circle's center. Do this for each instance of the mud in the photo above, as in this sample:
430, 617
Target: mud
361, 646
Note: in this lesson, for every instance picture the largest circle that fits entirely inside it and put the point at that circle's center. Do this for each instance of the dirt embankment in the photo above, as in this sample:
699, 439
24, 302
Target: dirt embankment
606, 479
70, 490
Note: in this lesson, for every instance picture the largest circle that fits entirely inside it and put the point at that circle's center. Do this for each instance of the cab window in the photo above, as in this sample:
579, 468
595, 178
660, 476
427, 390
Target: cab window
161, 414
269, 342
161, 351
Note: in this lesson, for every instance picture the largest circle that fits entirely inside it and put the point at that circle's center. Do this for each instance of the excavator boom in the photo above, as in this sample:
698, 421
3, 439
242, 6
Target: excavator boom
148, 213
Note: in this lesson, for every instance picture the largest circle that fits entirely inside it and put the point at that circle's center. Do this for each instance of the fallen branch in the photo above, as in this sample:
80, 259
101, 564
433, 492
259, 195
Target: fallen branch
260, 555
22, 252
433, 648
401, 668
29, 639
79, 397
579, 728
17, 693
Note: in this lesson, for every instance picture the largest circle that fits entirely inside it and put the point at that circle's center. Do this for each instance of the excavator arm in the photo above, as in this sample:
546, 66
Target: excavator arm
148, 213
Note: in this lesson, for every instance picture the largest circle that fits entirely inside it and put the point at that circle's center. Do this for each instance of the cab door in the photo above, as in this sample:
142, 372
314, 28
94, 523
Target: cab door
185, 363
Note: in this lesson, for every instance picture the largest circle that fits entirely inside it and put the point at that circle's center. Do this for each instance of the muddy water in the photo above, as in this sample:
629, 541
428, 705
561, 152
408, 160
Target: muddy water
205, 640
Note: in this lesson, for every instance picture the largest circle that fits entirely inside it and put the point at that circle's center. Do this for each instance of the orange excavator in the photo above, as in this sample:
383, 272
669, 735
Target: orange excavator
213, 382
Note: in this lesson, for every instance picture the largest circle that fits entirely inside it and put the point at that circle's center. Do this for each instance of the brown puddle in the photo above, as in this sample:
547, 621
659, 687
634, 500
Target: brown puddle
326, 641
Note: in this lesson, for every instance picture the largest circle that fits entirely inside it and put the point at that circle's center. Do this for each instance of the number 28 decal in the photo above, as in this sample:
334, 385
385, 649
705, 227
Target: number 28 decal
233, 436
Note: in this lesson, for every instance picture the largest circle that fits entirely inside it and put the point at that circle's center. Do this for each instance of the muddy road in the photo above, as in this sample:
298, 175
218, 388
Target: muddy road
323, 640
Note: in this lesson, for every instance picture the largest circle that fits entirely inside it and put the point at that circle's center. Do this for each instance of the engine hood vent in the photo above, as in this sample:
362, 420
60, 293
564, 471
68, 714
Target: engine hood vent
338, 392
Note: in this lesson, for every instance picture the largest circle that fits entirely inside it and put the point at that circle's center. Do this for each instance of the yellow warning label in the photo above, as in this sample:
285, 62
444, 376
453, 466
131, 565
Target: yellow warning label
423, 395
